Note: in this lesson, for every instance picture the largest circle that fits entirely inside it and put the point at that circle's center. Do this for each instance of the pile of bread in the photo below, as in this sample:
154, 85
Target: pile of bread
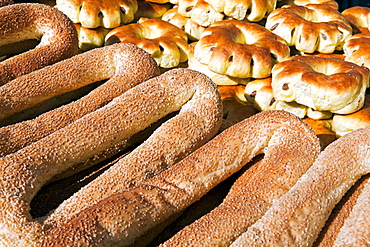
132, 112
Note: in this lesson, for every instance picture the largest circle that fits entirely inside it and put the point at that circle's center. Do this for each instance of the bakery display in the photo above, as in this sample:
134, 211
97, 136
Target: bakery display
184, 122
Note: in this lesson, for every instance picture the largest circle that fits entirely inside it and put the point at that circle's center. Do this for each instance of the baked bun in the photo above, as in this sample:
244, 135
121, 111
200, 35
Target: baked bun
228, 45
323, 84
358, 17
218, 79
167, 43
251, 10
313, 27
357, 49
89, 38
259, 93
343, 124
200, 11
94, 13
191, 28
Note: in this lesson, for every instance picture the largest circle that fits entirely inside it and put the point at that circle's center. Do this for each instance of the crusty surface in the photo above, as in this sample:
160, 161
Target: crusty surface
25, 171
167, 43
345, 123
65, 76
228, 45
130, 66
252, 194
122, 218
56, 34
323, 84
312, 27
358, 16
251, 10
93, 13
357, 49
297, 217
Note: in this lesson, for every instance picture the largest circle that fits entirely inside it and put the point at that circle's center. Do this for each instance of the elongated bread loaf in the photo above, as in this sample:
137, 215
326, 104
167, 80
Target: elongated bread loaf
123, 218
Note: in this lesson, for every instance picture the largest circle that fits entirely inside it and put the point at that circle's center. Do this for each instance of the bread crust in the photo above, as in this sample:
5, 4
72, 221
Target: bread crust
57, 38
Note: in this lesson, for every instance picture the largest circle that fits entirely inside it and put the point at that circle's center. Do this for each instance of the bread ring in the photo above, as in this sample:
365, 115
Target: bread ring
67, 75
297, 217
167, 43
93, 14
358, 17
356, 49
253, 11
228, 45
189, 91
31, 21
312, 27
192, 29
129, 60
132, 213
250, 196
323, 84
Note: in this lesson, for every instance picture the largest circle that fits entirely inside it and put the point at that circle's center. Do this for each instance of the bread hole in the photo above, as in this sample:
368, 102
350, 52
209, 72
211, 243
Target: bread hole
248, 12
300, 38
212, 48
190, 8
274, 26
285, 86
253, 94
292, 32
231, 58
324, 37
161, 48
252, 62
272, 101
100, 14
183, 28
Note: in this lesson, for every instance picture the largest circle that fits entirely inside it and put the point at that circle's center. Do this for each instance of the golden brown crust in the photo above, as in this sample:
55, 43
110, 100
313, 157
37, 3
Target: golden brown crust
358, 17
335, 85
192, 29
228, 45
357, 49
124, 217
310, 28
129, 60
189, 92
57, 37
67, 75
297, 217
93, 13
249, 197
251, 10
90, 38
167, 43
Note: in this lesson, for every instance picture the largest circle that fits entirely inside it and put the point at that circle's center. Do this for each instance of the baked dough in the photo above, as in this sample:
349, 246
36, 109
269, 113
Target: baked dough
323, 84
357, 49
167, 43
359, 17
228, 45
310, 28
93, 13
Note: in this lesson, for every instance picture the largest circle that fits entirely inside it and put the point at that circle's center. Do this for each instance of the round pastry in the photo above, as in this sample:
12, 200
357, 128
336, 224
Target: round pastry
92, 13
192, 29
357, 49
56, 38
228, 45
323, 84
200, 12
167, 43
313, 27
359, 17
343, 124
251, 10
